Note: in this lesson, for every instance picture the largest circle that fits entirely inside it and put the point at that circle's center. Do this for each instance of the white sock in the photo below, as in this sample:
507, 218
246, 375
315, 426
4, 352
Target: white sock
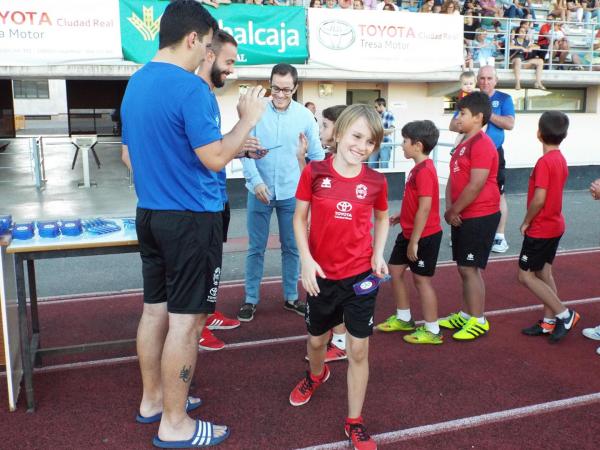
403, 314
499, 236
464, 315
339, 340
563, 315
432, 327
481, 320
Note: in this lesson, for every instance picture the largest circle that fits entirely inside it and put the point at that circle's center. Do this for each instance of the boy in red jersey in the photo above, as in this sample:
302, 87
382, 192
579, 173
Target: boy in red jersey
542, 228
418, 245
472, 208
342, 194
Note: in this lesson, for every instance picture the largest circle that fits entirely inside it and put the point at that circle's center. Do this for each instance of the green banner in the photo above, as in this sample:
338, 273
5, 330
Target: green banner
265, 34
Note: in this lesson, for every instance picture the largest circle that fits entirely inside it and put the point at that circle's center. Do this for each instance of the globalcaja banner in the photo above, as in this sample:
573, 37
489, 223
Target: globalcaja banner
41, 32
265, 34
379, 41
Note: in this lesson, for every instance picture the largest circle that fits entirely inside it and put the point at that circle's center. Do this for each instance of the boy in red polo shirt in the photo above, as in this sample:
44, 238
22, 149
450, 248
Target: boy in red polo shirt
543, 227
418, 244
473, 210
342, 194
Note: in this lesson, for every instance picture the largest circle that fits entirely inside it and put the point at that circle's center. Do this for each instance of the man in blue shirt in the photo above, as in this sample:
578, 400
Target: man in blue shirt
503, 118
173, 144
381, 159
271, 184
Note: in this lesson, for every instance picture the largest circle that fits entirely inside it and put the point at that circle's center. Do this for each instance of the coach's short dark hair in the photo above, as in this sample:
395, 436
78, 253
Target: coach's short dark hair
333, 112
221, 38
477, 102
182, 17
284, 69
423, 131
553, 126
380, 101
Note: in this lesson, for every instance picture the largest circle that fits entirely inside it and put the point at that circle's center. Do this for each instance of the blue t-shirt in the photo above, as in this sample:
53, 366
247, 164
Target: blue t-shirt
502, 105
166, 113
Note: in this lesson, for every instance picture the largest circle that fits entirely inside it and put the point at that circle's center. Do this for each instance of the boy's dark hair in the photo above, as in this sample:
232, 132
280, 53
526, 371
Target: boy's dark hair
284, 69
423, 131
333, 112
182, 17
221, 38
467, 74
381, 101
553, 126
477, 102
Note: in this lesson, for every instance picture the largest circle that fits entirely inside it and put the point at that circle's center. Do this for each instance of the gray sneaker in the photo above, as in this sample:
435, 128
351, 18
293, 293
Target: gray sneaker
297, 307
246, 313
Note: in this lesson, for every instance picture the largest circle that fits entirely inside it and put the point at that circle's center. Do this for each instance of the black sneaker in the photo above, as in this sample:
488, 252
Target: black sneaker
563, 326
539, 329
246, 313
297, 307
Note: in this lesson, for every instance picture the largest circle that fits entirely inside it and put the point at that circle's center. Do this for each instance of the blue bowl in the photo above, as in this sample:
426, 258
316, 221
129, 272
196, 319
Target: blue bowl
71, 227
23, 231
5, 223
48, 229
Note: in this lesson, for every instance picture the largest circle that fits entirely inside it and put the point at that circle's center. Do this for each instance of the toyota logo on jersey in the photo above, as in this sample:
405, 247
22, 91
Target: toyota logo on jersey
343, 210
344, 206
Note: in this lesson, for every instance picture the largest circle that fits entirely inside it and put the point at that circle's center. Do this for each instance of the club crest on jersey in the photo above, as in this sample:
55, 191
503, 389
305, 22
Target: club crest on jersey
462, 152
361, 191
495, 104
455, 168
326, 183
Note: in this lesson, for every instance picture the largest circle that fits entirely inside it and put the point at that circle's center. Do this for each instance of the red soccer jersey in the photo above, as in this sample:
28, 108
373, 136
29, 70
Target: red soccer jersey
550, 173
422, 182
478, 152
341, 211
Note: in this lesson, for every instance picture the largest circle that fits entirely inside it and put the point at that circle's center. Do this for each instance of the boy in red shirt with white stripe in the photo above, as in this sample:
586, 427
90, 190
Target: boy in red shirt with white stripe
342, 194
418, 244
473, 210
543, 227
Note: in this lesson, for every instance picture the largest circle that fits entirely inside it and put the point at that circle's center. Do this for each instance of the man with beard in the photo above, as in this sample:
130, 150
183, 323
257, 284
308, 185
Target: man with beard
218, 65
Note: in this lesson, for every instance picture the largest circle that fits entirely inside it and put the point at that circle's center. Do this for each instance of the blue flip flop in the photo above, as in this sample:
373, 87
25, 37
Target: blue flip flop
203, 437
189, 406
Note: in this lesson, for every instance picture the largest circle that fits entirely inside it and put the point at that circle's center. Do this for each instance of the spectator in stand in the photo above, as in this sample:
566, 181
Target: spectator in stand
345, 4
330, 4
450, 7
594, 8
315, 3
563, 48
427, 6
490, 8
575, 9
382, 5
368, 4
484, 49
513, 9
436, 9
523, 54
311, 107
471, 8
560, 9
358, 4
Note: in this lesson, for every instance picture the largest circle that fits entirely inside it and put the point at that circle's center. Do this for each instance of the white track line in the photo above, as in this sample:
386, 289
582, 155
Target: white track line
283, 340
470, 422
268, 280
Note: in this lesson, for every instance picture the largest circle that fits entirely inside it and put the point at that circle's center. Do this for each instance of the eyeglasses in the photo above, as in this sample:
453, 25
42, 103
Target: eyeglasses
284, 91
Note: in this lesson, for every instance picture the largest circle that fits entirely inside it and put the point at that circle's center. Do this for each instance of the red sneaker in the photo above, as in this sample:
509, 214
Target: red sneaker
304, 390
218, 321
208, 341
333, 354
357, 433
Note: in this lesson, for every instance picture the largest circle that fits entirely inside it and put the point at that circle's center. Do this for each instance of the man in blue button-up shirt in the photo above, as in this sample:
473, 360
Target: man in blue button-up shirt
271, 184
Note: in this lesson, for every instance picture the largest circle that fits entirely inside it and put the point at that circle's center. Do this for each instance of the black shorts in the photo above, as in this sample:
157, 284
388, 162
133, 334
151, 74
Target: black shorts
336, 303
536, 252
226, 214
429, 248
181, 258
501, 176
472, 241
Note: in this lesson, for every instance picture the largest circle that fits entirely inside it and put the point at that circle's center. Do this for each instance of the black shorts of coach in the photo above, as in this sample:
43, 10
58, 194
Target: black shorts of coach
427, 254
472, 241
501, 176
337, 303
536, 252
181, 255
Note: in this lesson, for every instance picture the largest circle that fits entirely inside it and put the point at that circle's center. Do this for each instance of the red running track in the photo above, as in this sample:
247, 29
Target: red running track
504, 391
